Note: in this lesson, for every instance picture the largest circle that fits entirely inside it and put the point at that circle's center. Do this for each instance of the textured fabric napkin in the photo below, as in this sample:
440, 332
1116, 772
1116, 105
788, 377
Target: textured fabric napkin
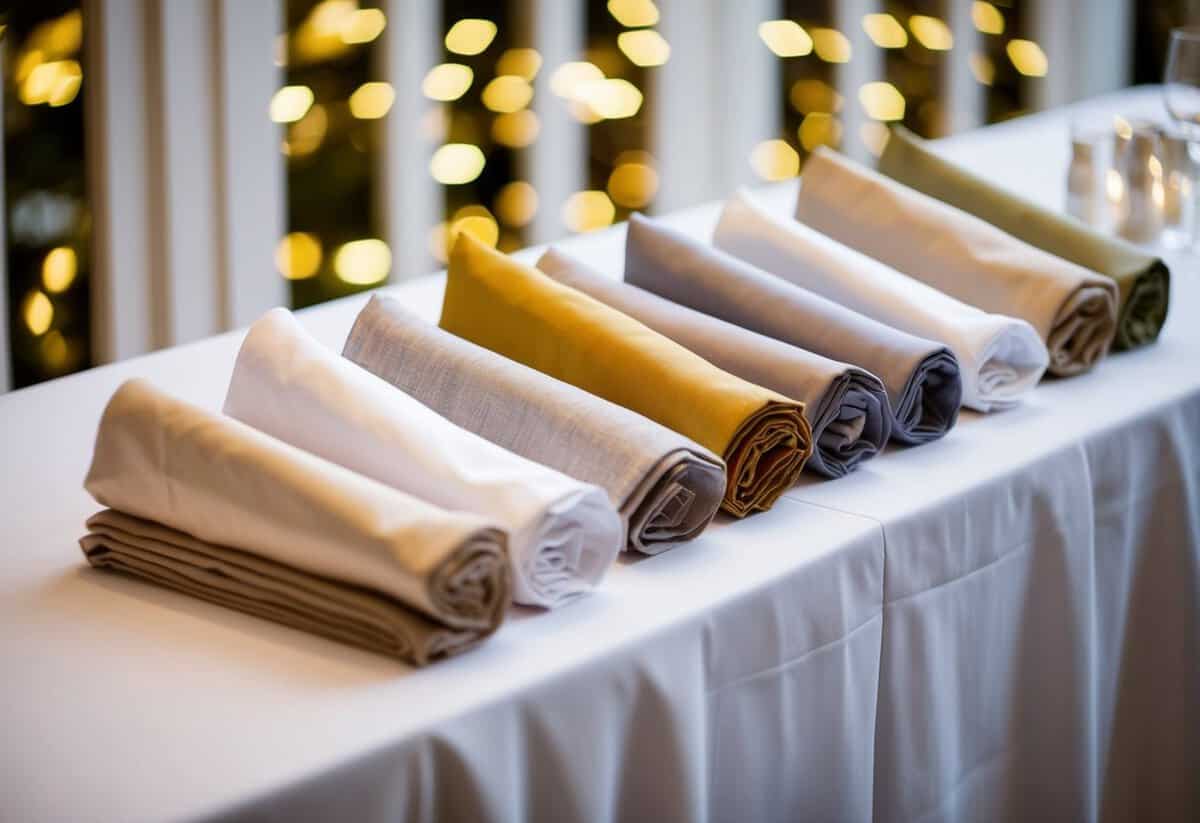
921, 376
214, 508
845, 406
1000, 358
562, 534
1073, 310
666, 487
521, 313
1143, 279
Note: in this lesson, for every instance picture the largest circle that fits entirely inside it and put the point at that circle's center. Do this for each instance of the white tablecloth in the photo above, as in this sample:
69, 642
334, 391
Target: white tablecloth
1004, 623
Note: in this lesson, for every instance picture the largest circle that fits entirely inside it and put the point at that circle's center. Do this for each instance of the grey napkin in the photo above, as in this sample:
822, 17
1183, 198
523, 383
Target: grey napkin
846, 406
664, 485
921, 376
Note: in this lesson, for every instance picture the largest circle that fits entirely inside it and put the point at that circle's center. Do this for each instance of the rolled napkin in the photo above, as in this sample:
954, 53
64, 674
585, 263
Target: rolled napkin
665, 487
562, 534
846, 406
1000, 358
1143, 279
921, 376
1073, 310
519, 312
214, 508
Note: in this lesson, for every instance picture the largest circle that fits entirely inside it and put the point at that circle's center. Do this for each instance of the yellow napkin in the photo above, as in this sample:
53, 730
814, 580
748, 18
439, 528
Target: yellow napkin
521, 313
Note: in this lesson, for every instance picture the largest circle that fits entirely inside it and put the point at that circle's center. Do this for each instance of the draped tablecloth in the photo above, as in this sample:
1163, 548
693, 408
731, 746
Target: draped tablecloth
1001, 624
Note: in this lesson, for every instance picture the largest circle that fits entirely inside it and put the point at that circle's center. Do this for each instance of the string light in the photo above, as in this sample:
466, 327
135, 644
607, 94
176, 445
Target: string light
470, 36
457, 163
785, 38
774, 160
363, 262
644, 47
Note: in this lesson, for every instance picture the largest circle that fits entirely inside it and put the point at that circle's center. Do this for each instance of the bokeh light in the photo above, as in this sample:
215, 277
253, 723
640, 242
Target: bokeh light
363, 262
38, 313
881, 101
58, 269
516, 130
633, 185
1027, 57
644, 47
587, 211
457, 163
470, 36
785, 38
885, 31
633, 13
447, 81
371, 101
931, 32
298, 255
774, 160
507, 93
291, 103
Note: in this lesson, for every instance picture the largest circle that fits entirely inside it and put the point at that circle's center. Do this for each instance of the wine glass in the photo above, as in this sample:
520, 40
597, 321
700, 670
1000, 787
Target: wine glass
1182, 96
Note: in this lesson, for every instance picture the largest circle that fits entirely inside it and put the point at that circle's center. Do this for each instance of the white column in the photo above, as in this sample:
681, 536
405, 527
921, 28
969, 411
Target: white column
408, 200
965, 97
123, 294
556, 165
865, 66
683, 107
747, 89
183, 172
251, 179
1087, 44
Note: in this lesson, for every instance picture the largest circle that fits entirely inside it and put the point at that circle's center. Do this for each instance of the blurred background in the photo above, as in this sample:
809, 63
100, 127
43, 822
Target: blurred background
172, 168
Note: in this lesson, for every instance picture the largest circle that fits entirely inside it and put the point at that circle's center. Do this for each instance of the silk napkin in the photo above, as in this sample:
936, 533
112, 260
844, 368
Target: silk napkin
921, 376
1000, 358
521, 313
562, 534
1143, 279
846, 407
665, 487
1073, 310
212, 507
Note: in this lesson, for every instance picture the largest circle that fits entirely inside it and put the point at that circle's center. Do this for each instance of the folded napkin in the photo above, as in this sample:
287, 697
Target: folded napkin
846, 406
210, 506
1000, 358
921, 376
665, 487
562, 534
1073, 310
1143, 279
519, 312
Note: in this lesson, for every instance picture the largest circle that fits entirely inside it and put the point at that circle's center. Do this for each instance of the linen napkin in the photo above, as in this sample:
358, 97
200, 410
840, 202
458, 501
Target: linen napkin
519, 312
1143, 279
1000, 358
665, 487
1073, 310
921, 376
562, 534
847, 408
212, 507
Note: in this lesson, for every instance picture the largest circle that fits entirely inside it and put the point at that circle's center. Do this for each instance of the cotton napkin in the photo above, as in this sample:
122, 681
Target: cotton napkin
665, 487
846, 406
1000, 358
562, 534
921, 376
519, 312
212, 507
1073, 310
1143, 279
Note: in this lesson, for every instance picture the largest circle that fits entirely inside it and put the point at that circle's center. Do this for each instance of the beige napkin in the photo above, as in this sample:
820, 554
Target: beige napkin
212, 507
666, 487
1073, 310
563, 534
1144, 280
846, 407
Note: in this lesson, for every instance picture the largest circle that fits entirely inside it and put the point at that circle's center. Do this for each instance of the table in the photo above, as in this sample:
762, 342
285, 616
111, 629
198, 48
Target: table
1001, 624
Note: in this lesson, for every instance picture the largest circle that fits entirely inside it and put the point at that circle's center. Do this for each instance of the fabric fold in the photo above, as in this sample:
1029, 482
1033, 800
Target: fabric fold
1143, 279
921, 376
521, 313
1073, 310
212, 507
664, 486
1000, 359
563, 534
846, 407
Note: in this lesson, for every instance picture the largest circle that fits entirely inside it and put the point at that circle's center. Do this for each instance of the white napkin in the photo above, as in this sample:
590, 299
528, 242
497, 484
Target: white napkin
1001, 358
563, 534
1073, 310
